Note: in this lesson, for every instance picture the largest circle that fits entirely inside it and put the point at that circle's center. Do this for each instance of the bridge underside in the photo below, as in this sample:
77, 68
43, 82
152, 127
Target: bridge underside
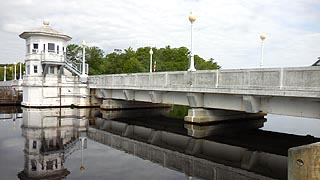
291, 106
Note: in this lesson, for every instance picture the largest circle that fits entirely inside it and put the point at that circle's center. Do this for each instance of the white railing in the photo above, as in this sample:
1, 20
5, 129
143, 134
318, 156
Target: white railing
6, 83
283, 79
46, 55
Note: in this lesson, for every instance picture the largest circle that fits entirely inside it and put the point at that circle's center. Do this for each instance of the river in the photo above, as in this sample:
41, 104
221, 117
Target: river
57, 143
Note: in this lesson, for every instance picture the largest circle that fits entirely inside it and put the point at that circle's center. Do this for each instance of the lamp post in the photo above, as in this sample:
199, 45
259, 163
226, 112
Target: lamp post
262, 37
5, 73
150, 52
15, 71
192, 19
84, 45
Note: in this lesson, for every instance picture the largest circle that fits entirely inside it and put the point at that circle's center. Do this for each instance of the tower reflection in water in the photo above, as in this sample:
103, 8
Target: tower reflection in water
51, 135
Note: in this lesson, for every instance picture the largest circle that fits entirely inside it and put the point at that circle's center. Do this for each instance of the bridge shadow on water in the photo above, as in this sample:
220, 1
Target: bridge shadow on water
228, 150
236, 149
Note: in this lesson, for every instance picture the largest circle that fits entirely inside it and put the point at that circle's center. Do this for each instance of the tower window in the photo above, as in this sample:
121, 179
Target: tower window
35, 48
35, 69
44, 47
34, 144
49, 165
51, 47
33, 165
58, 49
51, 70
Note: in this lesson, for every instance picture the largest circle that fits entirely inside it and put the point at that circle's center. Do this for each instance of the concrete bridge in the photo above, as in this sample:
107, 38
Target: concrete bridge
212, 95
284, 91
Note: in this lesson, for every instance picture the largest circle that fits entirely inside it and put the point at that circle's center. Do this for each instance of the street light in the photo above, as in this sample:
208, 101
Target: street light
262, 37
150, 52
192, 19
84, 45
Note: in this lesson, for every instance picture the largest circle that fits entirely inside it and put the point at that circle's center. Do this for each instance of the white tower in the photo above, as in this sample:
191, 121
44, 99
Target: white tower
51, 80
45, 50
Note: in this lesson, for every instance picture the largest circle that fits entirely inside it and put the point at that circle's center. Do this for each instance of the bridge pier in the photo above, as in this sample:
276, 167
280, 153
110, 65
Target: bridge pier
202, 115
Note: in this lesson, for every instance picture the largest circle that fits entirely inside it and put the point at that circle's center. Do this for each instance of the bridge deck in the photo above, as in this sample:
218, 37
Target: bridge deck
286, 91
295, 82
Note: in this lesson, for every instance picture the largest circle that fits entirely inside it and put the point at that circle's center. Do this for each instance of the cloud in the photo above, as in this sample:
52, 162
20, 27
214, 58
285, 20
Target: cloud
227, 31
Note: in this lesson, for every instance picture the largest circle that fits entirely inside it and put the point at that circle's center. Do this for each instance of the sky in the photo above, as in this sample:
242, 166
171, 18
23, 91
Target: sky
226, 30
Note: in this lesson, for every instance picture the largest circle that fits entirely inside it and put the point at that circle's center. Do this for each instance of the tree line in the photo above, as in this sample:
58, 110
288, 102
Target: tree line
136, 61
127, 61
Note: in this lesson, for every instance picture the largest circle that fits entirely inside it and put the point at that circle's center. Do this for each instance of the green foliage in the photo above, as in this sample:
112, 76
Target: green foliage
134, 61
178, 111
132, 66
74, 52
94, 57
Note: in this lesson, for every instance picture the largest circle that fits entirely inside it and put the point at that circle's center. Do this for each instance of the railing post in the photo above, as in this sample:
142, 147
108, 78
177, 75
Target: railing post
20, 72
5, 73
166, 80
217, 78
281, 78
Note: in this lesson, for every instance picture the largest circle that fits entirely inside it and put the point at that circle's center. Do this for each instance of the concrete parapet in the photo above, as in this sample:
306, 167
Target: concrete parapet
304, 162
201, 115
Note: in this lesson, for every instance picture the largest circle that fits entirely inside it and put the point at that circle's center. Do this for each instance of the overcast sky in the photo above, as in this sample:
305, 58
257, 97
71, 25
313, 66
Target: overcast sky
226, 30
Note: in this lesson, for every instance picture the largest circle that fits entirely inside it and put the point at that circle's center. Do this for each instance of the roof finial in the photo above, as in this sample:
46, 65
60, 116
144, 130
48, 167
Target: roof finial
46, 22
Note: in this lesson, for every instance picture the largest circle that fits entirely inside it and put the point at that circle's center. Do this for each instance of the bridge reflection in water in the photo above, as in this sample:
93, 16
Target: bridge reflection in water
242, 154
226, 150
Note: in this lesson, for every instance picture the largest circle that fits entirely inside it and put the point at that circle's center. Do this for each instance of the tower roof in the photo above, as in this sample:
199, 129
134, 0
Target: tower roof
45, 30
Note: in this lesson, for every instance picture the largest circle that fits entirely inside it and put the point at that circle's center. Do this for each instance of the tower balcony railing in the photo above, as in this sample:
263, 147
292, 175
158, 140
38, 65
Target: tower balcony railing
50, 55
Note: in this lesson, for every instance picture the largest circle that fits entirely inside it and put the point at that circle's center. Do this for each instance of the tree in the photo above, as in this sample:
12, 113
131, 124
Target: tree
74, 53
131, 61
94, 57
132, 66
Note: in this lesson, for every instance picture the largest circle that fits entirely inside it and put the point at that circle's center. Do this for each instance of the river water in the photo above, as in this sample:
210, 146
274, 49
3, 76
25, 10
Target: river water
144, 144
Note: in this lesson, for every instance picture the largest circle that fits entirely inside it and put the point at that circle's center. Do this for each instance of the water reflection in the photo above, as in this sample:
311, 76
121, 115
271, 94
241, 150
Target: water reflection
242, 153
51, 135
55, 146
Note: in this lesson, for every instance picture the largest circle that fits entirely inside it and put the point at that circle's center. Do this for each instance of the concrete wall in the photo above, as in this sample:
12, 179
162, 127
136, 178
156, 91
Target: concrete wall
54, 92
293, 82
286, 91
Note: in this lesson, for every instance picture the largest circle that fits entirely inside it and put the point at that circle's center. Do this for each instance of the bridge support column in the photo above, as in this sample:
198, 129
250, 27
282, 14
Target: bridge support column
304, 162
201, 115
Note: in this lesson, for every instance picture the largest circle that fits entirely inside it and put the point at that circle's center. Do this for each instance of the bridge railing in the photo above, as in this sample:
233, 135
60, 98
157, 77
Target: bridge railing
6, 83
295, 79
